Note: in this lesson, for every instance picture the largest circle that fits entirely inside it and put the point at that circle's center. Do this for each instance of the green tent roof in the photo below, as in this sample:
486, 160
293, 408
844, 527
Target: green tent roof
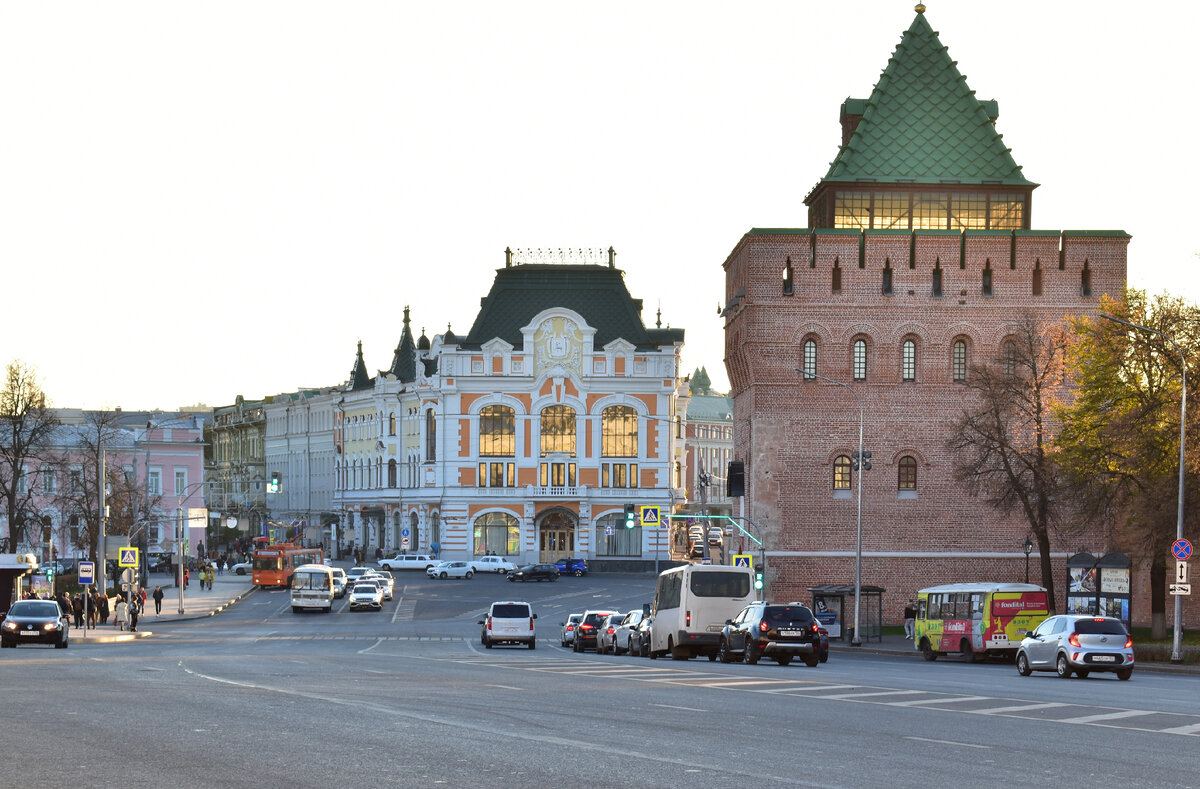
923, 124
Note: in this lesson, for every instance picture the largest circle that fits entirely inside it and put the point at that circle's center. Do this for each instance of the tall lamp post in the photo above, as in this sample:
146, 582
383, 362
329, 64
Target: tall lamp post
1177, 640
1027, 546
856, 640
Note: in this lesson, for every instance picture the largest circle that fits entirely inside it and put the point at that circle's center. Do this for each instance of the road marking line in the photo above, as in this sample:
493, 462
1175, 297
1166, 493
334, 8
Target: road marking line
365, 650
504, 687
799, 687
674, 707
1106, 716
943, 700
1018, 708
950, 742
1192, 729
873, 693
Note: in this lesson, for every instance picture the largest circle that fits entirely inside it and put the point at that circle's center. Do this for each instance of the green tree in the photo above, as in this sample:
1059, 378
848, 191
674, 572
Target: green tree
1003, 441
1120, 440
27, 430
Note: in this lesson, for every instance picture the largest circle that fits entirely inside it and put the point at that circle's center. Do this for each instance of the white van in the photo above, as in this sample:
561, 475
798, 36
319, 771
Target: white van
691, 604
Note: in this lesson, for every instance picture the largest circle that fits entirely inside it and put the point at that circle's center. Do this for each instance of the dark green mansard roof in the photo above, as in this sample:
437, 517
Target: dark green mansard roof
404, 360
597, 293
923, 124
358, 374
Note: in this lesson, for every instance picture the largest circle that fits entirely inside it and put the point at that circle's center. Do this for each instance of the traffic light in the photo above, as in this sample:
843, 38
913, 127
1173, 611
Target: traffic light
49, 573
630, 516
758, 580
275, 485
866, 460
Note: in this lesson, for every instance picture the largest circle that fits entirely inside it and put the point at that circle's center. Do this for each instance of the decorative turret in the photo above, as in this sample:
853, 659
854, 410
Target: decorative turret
358, 375
404, 365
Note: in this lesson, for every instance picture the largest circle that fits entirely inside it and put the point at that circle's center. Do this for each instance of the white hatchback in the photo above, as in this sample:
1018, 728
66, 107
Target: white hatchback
509, 623
450, 570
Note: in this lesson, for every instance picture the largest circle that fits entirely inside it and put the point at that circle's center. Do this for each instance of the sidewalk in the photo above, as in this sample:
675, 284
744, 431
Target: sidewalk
901, 646
197, 604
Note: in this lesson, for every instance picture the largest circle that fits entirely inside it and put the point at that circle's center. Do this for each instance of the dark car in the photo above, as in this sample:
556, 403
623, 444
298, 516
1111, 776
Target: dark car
534, 572
575, 567
35, 622
589, 628
639, 637
778, 631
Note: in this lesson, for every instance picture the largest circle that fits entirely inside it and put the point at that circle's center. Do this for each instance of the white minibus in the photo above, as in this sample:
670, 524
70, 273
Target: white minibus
691, 604
312, 587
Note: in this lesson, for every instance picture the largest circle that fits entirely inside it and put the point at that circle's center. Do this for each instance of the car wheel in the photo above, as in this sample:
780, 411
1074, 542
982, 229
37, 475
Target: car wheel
553, 578
1023, 667
1082, 673
579, 573
968, 651
575, 646
1124, 673
62, 643
533, 643
927, 651
1062, 667
784, 660
469, 574
723, 652
750, 654
811, 662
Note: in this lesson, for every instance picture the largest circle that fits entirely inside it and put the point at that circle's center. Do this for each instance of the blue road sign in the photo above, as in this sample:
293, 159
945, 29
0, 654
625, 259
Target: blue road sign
1181, 550
608, 529
404, 532
743, 560
87, 572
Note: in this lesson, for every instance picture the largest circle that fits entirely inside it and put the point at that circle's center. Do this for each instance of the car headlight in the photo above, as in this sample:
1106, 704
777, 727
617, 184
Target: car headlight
50, 626
10, 625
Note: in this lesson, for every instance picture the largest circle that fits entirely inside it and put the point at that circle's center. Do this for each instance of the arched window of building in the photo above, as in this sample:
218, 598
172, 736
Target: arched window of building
1010, 357
392, 423
959, 361
430, 436
558, 430
907, 475
841, 472
810, 359
392, 473
860, 360
498, 533
908, 360
619, 432
788, 283
497, 431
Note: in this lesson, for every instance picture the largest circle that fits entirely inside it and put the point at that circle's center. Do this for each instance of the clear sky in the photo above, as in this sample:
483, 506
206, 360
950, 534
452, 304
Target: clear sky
206, 199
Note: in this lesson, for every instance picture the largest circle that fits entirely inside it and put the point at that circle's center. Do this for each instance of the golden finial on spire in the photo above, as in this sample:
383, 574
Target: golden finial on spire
920, 9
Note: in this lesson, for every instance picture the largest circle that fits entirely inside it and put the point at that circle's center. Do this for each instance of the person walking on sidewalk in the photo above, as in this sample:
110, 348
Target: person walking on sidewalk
104, 611
120, 613
158, 598
910, 619
210, 577
134, 608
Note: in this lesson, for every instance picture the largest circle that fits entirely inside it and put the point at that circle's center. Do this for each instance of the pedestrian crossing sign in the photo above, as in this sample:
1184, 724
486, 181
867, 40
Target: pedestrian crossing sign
743, 560
650, 515
127, 557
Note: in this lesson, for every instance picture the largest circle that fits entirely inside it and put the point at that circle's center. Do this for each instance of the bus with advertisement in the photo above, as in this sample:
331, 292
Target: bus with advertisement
977, 619
273, 565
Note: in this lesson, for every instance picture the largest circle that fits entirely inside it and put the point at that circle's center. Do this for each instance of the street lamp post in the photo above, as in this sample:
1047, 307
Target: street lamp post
1177, 640
1028, 547
856, 640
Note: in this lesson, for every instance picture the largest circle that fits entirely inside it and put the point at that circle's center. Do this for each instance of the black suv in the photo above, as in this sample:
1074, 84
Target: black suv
589, 628
535, 572
779, 631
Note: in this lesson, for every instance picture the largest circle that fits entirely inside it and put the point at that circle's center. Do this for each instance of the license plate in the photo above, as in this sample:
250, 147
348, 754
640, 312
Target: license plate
1103, 659
29, 632
791, 632
510, 630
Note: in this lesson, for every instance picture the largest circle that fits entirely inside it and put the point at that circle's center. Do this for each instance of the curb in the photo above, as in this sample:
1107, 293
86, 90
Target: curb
1141, 665
188, 617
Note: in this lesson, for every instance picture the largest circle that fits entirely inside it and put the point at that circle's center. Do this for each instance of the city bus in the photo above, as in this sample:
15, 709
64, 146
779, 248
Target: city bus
274, 564
978, 619
312, 587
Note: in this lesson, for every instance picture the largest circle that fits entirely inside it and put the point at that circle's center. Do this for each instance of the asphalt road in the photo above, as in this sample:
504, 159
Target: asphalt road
261, 697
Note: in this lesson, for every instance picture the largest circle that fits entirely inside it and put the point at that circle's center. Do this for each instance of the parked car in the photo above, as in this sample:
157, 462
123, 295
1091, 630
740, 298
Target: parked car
535, 572
573, 566
408, 561
639, 637
492, 564
450, 570
606, 633
509, 623
589, 628
366, 595
242, 568
623, 638
1073, 643
778, 631
35, 622
568, 629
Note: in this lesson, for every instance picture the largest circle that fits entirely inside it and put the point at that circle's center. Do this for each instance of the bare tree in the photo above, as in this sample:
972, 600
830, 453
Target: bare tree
26, 432
1003, 442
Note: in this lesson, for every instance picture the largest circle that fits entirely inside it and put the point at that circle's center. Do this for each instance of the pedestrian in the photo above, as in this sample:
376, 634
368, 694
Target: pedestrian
64, 604
185, 578
201, 579
120, 613
910, 619
142, 598
158, 598
210, 578
221, 566
77, 609
134, 608
104, 610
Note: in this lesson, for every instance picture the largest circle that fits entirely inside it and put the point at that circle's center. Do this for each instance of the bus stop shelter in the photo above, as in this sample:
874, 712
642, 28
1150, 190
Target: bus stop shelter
833, 605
